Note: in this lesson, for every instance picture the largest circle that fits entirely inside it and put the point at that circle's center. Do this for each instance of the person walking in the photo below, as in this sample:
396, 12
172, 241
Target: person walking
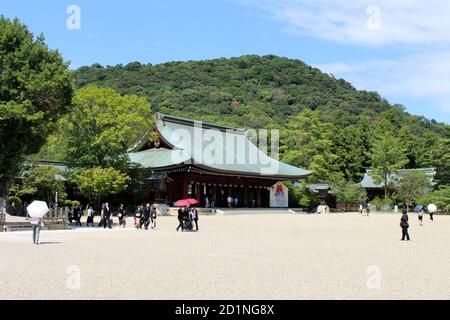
180, 218
236, 201
71, 215
207, 204
194, 215
431, 215
107, 217
153, 216
102, 216
404, 225
187, 219
421, 216
365, 209
229, 201
121, 214
145, 221
78, 215
138, 217
90, 216
36, 224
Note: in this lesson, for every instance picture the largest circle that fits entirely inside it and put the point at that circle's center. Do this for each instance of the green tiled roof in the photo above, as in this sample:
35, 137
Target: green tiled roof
223, 149
369, 183
158, 158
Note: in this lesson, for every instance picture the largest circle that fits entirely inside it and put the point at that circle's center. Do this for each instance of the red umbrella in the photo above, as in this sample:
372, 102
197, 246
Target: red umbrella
192, 201
186, 202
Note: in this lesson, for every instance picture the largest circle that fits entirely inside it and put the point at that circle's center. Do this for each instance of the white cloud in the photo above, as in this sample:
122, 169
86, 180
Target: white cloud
367, 22
423, 27
422, 75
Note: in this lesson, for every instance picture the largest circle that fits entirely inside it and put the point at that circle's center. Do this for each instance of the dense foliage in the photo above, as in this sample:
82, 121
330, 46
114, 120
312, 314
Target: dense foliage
345, 124
440, 197
95, 183
100, 129
42, 182
349, 192
35, 90
411, 187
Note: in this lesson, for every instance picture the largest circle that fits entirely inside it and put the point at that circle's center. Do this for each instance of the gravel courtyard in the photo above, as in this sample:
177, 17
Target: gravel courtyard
264, 256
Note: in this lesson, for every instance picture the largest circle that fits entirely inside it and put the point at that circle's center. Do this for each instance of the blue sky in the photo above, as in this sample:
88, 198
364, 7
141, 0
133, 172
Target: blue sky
396, 47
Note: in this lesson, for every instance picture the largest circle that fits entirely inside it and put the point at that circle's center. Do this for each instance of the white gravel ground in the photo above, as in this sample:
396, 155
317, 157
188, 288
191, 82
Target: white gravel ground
267, 256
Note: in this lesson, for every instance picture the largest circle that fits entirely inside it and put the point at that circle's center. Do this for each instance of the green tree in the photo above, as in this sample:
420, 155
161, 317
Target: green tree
301, 196
35, 90
411, 186
42, 182
95, 183
351, 145
102, 126
435, 153
348, 191
306, 142
388, 155
440, 197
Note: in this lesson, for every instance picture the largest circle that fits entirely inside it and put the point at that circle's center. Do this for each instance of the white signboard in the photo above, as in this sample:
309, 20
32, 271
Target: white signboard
279, 196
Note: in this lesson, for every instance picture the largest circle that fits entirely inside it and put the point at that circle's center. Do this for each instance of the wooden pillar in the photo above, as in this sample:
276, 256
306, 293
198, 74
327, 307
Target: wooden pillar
216, 195
198, 191
258, 197
245, 201
185, 187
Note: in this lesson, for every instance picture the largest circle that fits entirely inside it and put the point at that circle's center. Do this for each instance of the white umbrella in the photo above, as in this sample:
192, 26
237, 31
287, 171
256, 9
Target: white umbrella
432, 208
37, 209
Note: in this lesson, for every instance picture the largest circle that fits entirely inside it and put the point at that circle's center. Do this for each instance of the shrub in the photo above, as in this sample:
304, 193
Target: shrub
67, 203
440, 197
383, 203
17, 204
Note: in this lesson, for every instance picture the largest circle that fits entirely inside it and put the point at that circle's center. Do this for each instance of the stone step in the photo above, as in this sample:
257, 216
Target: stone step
11, 227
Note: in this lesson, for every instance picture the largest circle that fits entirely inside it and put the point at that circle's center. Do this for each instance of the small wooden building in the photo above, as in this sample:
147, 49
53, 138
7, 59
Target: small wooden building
375, 189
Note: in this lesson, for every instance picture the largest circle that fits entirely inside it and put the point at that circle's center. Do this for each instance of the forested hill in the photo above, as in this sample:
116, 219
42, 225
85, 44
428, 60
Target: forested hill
249, 91
254, 92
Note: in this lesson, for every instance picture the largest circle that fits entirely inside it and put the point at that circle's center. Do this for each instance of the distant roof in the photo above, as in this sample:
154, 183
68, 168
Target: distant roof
369, 183
224, 149
315, 187
54, 164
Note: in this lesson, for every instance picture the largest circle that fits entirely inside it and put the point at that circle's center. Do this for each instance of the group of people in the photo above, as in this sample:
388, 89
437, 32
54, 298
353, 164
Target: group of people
404, 224
186, 217
210, 203
364, 209
145, 216
106, 216
233, 202
75, 215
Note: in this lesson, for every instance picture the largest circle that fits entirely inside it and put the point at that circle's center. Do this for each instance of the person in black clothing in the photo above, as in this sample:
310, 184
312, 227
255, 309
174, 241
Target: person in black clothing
102, 216
121, 214
180, 219
187, 219
71, 215
107, 217
404, 224
146, 218
78, 215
